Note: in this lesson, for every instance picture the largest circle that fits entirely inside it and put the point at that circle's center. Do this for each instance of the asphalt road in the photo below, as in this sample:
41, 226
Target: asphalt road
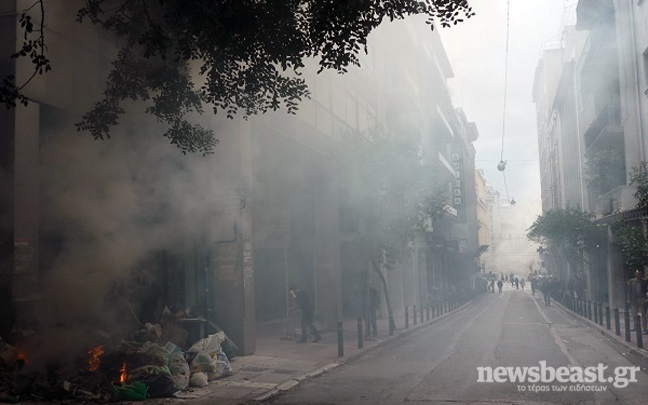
439, 364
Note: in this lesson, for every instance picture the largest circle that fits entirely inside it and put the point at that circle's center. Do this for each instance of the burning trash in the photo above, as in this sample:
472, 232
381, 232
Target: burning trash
114, 369
95, 357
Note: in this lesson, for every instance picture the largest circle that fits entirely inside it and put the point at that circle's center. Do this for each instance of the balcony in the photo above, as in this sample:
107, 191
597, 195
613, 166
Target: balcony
621, 199
604, 129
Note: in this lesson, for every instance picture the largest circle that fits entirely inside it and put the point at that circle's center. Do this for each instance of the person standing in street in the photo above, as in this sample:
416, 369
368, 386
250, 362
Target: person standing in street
307, 312
637, 289
500, 285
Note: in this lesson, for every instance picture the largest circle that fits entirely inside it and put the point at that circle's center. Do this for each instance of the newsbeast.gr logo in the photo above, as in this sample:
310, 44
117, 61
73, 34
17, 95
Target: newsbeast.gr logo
622, 376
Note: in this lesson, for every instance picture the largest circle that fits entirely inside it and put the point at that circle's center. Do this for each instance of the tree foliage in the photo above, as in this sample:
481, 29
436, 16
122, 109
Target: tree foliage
633, 243
388, 193
639, 178
570, 232
605, 170
248, 54
631, 237
388, 189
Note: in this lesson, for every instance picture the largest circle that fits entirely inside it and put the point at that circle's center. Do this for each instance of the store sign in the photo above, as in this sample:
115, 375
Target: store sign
458, 190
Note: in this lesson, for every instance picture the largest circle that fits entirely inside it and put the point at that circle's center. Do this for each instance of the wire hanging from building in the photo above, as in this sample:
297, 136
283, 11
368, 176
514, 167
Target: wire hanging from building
501, 166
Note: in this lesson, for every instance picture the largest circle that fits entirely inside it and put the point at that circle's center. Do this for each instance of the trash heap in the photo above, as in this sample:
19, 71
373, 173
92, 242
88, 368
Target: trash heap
148, 364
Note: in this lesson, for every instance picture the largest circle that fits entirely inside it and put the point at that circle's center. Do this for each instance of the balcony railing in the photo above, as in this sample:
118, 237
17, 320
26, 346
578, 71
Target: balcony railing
606, 123
620, 199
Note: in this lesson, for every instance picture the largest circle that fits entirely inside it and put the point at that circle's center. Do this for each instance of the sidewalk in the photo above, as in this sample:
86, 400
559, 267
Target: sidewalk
619, 342
279, 364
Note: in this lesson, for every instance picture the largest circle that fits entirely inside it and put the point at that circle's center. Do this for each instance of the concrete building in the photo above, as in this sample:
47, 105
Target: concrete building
590, 98
484, 215
220, 236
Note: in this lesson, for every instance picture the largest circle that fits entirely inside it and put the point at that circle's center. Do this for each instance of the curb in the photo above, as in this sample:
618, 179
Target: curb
293, 382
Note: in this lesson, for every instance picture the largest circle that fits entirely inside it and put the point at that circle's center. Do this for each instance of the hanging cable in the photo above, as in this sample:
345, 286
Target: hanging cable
502, 164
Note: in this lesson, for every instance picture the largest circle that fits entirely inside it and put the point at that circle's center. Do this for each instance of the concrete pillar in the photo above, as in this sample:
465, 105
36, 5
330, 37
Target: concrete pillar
25, 284
326, 247
233, 261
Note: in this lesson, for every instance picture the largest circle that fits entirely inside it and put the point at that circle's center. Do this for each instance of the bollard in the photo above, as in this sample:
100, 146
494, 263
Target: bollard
360, 339
607, 316
600, 312
626, 318
406, 317
414, 314
617, 322
340, 332
421, 311
637, 321
595, 312
427, 312
589, 310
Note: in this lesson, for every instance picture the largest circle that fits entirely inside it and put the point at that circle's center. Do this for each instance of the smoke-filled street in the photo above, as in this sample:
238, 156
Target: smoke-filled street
439, 364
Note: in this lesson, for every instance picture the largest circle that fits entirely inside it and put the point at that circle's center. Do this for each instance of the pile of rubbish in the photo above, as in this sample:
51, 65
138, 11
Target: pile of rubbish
149, 364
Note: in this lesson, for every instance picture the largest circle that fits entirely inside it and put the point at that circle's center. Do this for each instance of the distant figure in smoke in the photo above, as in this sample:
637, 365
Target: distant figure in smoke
307, 313
517, 283
500, 284
491, 286
534, 283
373, 303
636, 293
522, 284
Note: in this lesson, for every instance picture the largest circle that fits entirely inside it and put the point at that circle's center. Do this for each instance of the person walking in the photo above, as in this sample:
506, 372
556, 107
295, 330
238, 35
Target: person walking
637, 289
307, 313
500, 284
372, 306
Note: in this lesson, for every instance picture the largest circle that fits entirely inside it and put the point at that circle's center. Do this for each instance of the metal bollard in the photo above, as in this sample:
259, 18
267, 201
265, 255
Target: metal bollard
360, 338
427, 312
406, 317
600, 312
607, 317
589, 310
638, 331
595, 312
414, 313
617, 322
626, 318
421, 311
340, 333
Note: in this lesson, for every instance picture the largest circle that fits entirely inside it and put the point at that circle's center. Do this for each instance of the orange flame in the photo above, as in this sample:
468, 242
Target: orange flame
95, 355
122, 378
22, 356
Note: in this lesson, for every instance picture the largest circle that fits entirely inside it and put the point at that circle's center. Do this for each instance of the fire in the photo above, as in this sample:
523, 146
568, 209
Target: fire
123, 376
95, 355
22, 356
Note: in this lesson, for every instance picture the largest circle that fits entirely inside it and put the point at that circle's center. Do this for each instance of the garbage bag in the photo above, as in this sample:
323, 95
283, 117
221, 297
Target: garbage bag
159, 385
199, 380
136, 391
220, 366
158, 380
179, 370
201, 362
210, 344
